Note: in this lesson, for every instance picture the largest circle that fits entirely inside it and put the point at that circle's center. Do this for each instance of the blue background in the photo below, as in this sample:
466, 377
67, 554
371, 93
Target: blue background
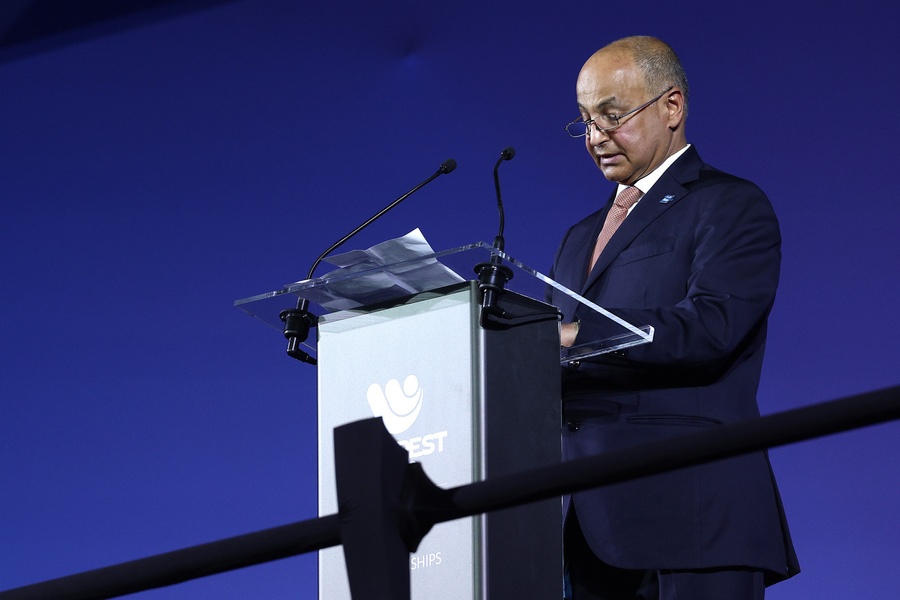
153, 174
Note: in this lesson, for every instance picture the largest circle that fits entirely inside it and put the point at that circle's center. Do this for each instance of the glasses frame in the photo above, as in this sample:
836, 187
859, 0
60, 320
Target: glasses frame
588, 125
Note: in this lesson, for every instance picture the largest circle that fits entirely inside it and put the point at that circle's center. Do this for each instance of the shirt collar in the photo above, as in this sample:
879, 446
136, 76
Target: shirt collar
646, 182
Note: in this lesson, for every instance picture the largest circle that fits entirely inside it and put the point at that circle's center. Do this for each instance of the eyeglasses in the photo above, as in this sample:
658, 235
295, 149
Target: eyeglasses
606, 123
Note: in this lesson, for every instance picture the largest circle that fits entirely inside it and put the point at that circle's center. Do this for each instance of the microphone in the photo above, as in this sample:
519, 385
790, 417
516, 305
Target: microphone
508, 153
493, 275
446, 167
298, 321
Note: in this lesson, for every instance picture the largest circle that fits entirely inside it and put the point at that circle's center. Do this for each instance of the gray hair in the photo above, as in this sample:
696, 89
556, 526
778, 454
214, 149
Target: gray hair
658, 62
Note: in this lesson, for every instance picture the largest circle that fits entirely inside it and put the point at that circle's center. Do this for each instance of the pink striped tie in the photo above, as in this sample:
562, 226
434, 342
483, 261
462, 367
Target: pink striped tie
617, 214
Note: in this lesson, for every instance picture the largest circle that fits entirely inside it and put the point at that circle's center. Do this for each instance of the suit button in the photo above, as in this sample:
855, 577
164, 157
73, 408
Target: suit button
573, 424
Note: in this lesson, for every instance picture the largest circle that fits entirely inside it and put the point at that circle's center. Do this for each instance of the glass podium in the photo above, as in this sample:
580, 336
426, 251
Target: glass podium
369, 283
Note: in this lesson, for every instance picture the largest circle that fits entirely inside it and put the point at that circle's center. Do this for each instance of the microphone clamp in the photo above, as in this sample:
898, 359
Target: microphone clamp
492, 279
297, 323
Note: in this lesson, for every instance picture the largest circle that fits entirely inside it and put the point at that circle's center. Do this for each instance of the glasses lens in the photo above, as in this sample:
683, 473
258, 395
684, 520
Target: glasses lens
606, 122
577, 128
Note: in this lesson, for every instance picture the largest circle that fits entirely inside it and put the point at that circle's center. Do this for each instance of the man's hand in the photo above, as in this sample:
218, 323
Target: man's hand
567, 333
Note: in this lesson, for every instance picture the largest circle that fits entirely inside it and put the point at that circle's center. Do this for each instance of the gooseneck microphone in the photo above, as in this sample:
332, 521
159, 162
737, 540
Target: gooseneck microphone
508, 153
298, 321
493, 275
446, 167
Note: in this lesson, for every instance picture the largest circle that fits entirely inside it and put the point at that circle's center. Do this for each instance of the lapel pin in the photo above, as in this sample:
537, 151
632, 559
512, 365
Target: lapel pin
667, 199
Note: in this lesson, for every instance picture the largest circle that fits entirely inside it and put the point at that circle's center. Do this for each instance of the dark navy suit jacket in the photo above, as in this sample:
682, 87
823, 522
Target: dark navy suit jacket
698, 258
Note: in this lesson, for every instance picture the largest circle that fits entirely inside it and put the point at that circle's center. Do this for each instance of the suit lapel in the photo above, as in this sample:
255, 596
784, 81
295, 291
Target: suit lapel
572, 263
664, 194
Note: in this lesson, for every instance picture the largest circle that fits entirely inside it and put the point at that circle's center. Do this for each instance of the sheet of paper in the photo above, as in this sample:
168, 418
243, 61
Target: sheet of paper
392, 269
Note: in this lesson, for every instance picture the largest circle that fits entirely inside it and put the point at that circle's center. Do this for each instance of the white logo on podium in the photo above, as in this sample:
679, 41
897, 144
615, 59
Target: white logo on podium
397, 406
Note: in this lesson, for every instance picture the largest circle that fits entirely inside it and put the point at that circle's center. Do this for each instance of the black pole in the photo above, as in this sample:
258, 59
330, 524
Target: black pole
189, 563
783, 428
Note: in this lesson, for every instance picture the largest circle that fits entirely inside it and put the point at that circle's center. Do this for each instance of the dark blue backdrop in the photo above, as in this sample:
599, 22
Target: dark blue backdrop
152, 176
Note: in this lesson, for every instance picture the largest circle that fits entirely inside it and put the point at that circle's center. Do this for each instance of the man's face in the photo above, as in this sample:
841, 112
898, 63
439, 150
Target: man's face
610, 83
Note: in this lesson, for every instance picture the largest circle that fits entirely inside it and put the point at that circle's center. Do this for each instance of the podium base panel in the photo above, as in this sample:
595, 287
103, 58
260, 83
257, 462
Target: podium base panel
468, 403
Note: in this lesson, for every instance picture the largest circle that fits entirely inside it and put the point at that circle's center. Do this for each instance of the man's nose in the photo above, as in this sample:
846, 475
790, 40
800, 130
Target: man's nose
595, 136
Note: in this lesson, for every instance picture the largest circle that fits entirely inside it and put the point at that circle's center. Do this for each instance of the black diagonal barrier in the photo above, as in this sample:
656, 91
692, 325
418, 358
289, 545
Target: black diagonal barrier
405, 504
190, 563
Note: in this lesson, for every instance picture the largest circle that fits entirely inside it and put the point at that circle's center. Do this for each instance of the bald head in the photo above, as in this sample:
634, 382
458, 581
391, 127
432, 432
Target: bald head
654, 58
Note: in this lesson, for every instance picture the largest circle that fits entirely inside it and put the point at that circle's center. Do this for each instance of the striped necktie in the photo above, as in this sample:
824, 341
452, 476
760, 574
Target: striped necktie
625, 200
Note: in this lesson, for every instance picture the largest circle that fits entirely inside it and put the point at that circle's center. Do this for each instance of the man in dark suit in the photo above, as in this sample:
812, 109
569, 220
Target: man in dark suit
697, 257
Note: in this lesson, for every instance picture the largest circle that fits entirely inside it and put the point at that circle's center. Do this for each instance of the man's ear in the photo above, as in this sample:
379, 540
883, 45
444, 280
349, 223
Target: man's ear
675, 106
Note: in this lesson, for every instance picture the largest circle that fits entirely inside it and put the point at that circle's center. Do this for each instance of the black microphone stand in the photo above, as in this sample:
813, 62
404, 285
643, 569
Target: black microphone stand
493, 276
298, 321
